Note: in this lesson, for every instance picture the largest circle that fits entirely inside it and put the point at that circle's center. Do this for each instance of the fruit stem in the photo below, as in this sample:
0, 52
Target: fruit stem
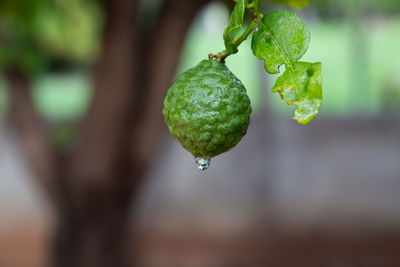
247, 32
220, 56
254, 7
255, 10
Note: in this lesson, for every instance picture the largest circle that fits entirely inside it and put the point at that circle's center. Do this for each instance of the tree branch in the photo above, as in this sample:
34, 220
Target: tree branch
32, 133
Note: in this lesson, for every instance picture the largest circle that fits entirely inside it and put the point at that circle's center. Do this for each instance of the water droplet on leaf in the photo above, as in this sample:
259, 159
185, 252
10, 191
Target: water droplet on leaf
203, 163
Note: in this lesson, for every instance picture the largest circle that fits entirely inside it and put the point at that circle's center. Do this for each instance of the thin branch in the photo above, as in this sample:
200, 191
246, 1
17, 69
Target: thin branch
31, 131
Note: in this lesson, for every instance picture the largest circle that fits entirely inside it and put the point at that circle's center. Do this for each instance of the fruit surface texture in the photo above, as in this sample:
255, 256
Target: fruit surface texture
207, 109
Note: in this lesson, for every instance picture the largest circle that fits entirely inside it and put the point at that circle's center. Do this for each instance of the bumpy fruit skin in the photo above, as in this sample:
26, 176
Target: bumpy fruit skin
207, 109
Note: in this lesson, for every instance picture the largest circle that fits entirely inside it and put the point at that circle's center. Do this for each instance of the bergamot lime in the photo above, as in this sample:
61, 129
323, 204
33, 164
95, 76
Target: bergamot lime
207, 110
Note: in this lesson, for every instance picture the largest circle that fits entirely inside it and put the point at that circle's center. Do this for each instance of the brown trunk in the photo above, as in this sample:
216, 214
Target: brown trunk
94, 236
105, 170
93, 216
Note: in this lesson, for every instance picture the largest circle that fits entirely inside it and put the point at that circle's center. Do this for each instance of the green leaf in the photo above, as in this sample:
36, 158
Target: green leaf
235, 26
299, 4
280, 38
301, 84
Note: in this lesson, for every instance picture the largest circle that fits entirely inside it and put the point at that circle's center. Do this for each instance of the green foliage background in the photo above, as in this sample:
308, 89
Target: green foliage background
43, 44
36, 33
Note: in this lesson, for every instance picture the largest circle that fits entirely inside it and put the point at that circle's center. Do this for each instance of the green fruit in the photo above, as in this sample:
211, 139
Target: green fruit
207, 109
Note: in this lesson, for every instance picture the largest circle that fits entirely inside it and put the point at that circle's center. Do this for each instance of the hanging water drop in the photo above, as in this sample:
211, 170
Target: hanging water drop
203, 163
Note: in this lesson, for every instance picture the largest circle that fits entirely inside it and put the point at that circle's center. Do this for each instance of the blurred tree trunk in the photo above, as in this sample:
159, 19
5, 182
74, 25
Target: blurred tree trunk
93, 183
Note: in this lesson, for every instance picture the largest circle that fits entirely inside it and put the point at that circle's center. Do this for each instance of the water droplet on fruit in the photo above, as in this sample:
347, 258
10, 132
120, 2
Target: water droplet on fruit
203, 163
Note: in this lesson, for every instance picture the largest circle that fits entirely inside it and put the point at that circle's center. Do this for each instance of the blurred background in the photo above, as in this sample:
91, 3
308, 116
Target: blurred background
89, 175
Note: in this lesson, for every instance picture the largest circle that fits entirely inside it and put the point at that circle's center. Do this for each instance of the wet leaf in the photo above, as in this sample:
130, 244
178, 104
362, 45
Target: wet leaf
281, 38
301, 84
235, 26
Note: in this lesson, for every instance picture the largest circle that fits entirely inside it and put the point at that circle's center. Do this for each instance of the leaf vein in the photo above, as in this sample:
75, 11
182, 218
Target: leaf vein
277, 44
